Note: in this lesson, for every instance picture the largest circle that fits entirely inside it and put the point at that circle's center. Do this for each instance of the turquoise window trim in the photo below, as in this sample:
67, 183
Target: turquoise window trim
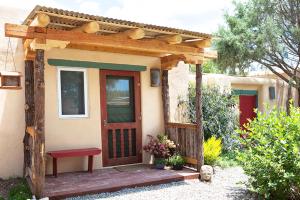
245, 92
98, 65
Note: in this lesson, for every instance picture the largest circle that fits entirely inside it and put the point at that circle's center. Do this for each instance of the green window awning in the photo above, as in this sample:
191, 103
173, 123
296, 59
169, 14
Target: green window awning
98, 65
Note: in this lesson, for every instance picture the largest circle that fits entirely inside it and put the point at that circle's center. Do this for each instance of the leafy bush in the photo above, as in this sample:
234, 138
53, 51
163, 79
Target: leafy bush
1, 198
227, 160
176, 160
271, 155
220, 116
20, 192
212, 150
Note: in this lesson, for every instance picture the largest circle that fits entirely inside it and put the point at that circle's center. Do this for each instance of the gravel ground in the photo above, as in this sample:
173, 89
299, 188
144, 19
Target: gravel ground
227, 184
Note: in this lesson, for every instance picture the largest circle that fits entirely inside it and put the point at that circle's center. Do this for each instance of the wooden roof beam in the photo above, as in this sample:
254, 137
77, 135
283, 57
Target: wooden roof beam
168, 62
40, 20
199, 43
170, 39
135, 34
90, 27
22, 31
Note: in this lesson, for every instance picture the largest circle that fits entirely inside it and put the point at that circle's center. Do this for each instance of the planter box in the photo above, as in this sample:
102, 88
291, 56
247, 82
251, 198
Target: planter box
10, 80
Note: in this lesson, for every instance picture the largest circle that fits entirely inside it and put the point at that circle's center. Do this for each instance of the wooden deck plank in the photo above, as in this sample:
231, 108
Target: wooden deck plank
110, 180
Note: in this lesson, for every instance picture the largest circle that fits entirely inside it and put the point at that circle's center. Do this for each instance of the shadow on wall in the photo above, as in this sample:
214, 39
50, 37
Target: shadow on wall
12, 121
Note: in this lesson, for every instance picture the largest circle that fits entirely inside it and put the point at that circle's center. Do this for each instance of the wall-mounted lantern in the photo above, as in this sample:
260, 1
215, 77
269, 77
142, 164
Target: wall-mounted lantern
155, 77
10, 80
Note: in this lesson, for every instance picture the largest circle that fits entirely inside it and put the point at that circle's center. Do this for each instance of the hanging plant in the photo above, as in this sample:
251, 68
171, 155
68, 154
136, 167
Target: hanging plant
10, 79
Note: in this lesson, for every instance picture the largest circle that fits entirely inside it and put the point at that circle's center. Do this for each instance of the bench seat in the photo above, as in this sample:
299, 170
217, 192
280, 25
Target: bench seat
90, 152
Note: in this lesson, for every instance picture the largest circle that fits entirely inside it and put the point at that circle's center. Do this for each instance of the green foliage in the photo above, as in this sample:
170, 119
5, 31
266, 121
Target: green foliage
20, 192
265, 32
1, 198
176, 160
208, 67
160, 161
271, 155
220, 117
227, 160
212, 150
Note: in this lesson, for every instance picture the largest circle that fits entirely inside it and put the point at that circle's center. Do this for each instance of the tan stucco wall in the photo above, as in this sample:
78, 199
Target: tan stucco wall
12, 122
86, 132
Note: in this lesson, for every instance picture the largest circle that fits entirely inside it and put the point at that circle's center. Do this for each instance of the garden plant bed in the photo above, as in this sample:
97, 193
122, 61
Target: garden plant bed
6, 185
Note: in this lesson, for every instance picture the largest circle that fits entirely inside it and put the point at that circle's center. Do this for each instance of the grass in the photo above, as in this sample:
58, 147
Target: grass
19, 192
226, 160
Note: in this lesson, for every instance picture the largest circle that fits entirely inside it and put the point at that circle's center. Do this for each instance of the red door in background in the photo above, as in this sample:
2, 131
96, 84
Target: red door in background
247, 105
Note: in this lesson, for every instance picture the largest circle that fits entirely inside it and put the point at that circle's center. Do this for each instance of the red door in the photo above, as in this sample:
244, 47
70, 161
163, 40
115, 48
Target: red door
247, 106
121, 117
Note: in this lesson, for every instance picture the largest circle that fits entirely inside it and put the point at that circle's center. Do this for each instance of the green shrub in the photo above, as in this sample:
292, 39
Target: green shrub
227, 160
20, 192
176, 160
220, 115
1, 198
212, 150
271, 155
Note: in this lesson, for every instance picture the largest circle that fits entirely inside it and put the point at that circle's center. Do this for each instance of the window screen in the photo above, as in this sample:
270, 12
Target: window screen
72, 92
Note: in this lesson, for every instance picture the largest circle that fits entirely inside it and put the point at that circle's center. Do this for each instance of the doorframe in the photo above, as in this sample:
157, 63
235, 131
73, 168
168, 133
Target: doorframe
138, 112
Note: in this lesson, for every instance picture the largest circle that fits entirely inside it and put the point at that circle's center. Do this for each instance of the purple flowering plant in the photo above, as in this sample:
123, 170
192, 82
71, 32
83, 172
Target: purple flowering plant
157, 148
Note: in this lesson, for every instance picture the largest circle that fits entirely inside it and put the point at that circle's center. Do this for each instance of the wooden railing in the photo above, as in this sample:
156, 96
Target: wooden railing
185, 136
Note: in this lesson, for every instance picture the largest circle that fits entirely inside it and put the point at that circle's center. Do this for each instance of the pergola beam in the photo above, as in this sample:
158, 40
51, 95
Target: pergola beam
40, 20
171, 39
135, 34
90, 27
22, 31
198, 43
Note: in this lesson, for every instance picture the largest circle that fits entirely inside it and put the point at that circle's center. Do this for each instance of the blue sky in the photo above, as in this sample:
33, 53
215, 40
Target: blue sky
196, 15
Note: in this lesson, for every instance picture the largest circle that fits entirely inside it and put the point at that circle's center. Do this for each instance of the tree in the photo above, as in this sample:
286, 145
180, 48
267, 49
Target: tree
265, 33
207, 67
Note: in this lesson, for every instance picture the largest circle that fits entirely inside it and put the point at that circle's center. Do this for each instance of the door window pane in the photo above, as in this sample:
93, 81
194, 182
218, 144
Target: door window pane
72, 93
120, 99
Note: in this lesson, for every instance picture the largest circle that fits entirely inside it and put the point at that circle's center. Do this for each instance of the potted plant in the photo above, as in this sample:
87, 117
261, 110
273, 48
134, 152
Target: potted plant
176, 161
160, 163
159, 150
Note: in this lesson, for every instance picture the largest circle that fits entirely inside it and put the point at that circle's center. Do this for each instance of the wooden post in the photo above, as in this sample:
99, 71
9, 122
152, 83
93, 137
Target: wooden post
39, 124
199, 131
29, 111
165, 98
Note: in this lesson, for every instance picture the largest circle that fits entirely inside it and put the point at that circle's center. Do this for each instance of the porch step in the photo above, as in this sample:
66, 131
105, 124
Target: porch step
110, 180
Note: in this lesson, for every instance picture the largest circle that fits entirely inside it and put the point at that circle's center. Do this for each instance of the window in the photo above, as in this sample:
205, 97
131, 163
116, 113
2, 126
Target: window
72, 92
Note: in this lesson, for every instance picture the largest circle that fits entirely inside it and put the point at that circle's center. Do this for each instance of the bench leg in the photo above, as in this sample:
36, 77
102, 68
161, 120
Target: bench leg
90, 164
54, 167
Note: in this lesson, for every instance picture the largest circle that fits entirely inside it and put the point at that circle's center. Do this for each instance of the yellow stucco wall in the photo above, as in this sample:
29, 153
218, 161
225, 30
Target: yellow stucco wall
71, 133
86, 132
12, 124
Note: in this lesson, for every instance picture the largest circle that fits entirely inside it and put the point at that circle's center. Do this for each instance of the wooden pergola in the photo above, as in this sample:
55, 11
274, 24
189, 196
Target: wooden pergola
46, 28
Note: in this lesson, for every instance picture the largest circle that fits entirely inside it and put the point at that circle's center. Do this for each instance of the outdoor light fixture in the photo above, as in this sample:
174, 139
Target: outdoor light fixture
155, 77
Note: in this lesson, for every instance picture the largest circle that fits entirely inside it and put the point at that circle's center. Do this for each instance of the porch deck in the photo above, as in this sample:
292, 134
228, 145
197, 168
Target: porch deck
111, 179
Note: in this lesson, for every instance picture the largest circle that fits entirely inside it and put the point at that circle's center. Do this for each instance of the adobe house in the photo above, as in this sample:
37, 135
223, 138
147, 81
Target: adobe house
259, 90
100, 83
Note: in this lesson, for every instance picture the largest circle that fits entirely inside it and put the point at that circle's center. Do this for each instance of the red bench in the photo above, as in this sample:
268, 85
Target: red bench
90, 152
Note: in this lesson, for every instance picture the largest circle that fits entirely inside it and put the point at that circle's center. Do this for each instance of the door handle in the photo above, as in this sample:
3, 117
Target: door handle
104, 122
